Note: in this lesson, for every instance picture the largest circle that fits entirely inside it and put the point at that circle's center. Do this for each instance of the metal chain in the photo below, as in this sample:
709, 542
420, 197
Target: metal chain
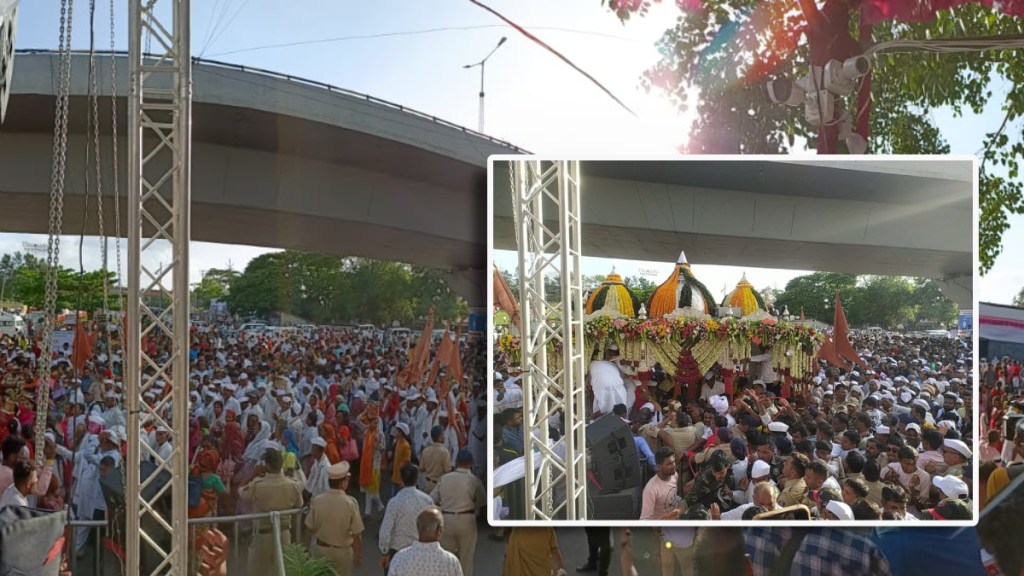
116, 196
60, 147
515, 199
116, 192
95, 102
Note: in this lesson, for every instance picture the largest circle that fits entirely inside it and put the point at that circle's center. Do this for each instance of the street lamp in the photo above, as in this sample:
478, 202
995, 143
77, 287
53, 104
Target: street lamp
481, 65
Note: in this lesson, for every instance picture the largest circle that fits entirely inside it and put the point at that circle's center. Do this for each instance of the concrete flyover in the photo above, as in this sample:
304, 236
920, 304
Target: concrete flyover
884, 217
276, 162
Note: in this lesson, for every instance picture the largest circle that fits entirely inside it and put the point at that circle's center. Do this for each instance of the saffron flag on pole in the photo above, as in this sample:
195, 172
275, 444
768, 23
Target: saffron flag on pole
841, 338
454, 359
418, 357
82, 347
504, 299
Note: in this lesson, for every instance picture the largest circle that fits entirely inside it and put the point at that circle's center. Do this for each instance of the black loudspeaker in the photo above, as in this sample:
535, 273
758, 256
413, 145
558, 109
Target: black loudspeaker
622, 505
31, 541
613, 456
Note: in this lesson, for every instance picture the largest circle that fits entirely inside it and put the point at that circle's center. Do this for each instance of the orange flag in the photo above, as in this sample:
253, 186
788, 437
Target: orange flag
82, 348
454, 359
443, 351
503, 297
419, 356
841, 338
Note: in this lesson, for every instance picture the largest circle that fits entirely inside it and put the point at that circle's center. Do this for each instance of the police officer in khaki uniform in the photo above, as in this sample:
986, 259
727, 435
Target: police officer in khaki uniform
335, 523
271, 491
435, 460
460, 495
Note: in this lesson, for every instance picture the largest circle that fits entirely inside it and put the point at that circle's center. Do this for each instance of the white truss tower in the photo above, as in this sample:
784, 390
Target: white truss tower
8, 24
546, 204
159, 159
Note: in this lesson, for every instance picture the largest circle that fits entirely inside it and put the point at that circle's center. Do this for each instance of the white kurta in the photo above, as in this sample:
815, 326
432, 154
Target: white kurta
609, 388
316, 482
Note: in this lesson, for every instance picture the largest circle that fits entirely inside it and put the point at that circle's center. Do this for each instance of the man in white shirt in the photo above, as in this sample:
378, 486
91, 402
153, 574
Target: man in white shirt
711, 386
605, 379
317, 481
162, 443
426, 557
398, 529
25, 479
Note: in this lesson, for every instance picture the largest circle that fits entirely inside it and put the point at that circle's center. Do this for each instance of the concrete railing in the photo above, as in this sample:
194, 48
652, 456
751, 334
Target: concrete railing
314, 83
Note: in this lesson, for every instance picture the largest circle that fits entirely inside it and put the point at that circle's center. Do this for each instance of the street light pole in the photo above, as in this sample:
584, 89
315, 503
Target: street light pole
482, 65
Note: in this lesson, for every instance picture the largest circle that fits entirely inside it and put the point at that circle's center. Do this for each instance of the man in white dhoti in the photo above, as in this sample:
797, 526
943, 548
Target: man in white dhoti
606, 381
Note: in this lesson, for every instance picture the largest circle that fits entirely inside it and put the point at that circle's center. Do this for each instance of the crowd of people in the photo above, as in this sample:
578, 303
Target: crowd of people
318, 419
890, 439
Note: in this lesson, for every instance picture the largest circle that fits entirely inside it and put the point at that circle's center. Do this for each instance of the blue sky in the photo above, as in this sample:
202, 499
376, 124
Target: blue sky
533, 100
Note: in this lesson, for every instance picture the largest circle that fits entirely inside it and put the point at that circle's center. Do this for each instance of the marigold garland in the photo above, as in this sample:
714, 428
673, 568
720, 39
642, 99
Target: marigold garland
793, 345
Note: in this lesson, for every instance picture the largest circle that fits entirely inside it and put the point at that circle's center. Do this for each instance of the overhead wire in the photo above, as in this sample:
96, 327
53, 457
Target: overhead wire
228, 25
414, 33
557, 54
219, 19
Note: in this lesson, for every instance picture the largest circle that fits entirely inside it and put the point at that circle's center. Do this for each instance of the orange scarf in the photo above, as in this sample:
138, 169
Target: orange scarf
366, 463
331, 450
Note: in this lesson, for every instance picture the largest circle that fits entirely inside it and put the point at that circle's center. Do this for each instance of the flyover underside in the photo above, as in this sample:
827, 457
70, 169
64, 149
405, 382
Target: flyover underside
264, 199
28, 214
702, 248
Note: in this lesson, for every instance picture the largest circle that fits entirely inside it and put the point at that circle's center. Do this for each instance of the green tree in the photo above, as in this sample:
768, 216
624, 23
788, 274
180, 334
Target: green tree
933, 308
642, 287
512, 279
214, 285
885, 301
816, 295
725, 52
260, 288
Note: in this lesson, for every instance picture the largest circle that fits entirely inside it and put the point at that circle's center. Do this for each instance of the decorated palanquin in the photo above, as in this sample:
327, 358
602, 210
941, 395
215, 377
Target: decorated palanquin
681, 328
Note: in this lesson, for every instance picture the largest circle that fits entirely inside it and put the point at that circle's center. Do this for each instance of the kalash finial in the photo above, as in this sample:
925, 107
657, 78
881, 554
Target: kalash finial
682, 258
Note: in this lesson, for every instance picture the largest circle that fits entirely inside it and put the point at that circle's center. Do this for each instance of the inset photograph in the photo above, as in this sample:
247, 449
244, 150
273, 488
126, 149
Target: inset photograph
732, 341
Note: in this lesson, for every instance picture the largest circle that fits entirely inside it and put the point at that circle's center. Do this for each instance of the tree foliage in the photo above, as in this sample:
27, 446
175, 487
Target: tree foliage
26, 284
722, 54
213, 286
642, 287
330, 289
886, 301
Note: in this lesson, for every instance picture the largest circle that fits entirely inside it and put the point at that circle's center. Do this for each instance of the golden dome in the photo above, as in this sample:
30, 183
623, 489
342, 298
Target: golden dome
680, 290
745, 297
613, 296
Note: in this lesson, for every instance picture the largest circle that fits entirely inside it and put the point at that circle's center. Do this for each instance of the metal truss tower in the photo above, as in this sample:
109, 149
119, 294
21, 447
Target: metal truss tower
159, 161
8, 25
546, 204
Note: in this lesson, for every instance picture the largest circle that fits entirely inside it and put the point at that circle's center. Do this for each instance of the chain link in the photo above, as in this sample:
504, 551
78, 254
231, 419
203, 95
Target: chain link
95, 102
116, 192
516, 199
60, 147
116, 195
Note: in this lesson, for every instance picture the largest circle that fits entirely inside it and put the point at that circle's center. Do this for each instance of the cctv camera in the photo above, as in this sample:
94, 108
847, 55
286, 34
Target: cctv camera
835, 82
855, 143
856, 67
820, 107
784, 91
